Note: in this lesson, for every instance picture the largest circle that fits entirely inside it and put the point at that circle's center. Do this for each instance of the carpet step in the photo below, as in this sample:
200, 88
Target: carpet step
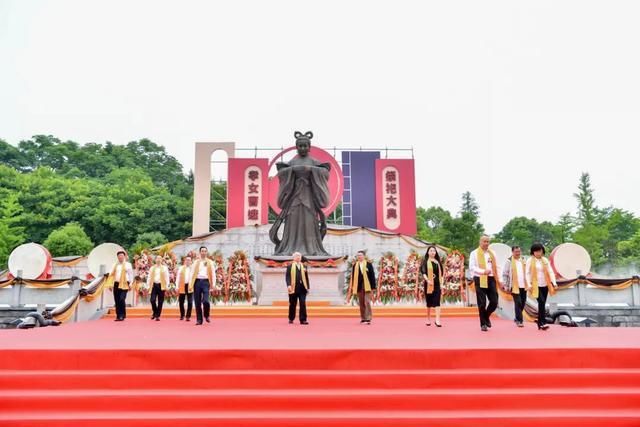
524, 417
316, 379
314, 400
217, 311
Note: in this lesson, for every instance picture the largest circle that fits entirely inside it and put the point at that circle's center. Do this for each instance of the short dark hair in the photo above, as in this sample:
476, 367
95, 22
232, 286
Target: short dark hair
361, 252
513, 248
537, 247
121, 252
203, 247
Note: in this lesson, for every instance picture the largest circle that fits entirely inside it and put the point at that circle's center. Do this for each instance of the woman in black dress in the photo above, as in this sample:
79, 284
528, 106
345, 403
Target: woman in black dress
431, 270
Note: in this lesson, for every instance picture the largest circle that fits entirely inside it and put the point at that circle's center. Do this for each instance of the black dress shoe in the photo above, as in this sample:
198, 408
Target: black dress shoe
181, 317
363, 321
207, 319
153, 317
198, 323
117, 319
543, 327
488, 323
290, 321
188, 320
157, 319
304, 323
484, 328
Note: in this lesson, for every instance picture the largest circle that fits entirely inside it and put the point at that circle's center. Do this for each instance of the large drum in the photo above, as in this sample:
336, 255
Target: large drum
32, 260
105, 254
502, 253
570, 260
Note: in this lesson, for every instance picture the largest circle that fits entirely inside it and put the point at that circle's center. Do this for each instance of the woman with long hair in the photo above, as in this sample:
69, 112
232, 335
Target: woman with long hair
432, 273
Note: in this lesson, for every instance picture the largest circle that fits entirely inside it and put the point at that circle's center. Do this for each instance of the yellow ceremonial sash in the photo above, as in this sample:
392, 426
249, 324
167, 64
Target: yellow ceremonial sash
515, 282
163, 279
294, 273
122, 282
356, 277
182, 278
430, 283
196, 269
534, 277
484, 279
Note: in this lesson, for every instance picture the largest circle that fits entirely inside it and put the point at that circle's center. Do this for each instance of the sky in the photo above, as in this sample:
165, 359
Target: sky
510, 100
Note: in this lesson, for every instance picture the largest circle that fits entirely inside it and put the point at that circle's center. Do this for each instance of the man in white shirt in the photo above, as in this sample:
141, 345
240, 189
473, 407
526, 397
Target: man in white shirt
202, 278
514, 278
483, 266
183, 278
121, 277
158, 281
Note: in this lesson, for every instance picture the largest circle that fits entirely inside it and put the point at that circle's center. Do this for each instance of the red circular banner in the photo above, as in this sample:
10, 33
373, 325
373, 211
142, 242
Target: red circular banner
335, 183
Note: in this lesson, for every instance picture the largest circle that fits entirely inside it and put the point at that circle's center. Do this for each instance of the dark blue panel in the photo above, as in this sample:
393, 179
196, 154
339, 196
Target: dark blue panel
363, 187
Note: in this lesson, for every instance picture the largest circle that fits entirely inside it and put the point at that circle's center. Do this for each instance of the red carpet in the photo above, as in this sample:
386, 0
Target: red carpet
266, 372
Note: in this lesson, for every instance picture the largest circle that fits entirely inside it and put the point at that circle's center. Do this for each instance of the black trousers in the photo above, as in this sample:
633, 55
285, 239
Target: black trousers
542, 305
483, 294
120, 301
293, 302
157, 299
201, 296
189, 297
519, 302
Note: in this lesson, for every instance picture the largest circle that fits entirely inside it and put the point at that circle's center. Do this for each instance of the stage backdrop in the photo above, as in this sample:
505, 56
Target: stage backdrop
359, 198
396, 196
247, 192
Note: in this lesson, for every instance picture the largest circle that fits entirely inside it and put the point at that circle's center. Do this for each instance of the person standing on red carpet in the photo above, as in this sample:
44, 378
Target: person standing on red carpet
514, 278
184, 278
202, 278
542, 279
363, 282
157, 281
297, 279
120, 278
431, 270
484, 267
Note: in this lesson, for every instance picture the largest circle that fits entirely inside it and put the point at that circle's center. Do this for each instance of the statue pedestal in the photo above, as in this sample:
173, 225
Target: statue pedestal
325, 284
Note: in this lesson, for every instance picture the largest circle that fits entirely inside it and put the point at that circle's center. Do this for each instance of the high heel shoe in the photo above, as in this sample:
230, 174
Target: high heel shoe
543, 327
439, 325
428, 323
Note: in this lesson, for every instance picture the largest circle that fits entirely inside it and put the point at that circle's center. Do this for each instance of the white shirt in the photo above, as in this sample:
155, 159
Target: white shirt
157, 275
475, 268
542, 281
202, 271
187, 275
520, 272
129, 271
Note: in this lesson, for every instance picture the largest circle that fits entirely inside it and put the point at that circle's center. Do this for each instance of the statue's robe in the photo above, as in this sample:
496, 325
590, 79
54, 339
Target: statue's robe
303, 193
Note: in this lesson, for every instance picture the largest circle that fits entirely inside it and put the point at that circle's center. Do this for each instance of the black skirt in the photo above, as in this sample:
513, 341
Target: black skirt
433, 299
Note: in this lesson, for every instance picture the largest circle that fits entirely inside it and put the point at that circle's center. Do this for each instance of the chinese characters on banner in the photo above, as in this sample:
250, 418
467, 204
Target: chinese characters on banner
396, 196
391, 204
247, 188
253, 195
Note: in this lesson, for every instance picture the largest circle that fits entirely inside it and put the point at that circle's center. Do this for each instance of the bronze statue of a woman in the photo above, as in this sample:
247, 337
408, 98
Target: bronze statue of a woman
302, 195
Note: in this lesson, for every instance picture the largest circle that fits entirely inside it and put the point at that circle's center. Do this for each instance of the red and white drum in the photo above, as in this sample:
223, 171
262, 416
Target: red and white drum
32, 260
570, 260
502, 253
105, 254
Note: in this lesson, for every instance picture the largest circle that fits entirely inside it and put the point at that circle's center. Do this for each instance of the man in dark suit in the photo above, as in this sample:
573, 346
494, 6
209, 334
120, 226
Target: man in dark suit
297, 279
363, 283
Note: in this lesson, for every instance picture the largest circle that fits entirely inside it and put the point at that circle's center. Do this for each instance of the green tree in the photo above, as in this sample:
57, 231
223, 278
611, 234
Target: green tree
586, 200
11, 233
523, 232
469, 205
147, 241
69, 239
